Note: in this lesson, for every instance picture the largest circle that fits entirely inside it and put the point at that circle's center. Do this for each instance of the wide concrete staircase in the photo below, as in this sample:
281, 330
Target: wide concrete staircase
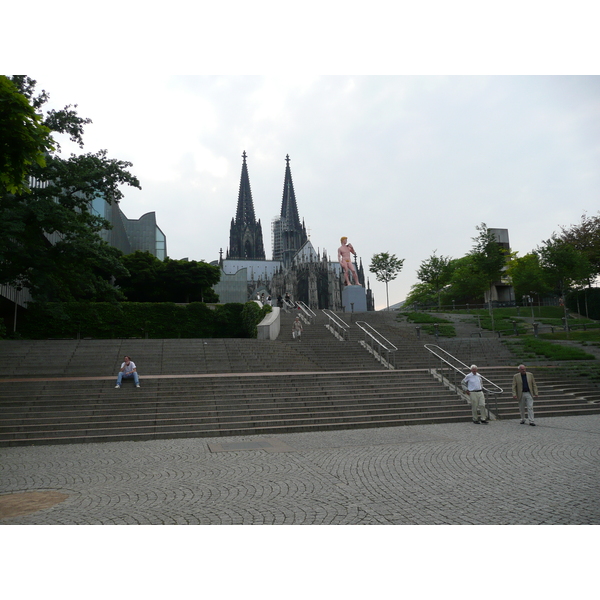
61, 412
62, 391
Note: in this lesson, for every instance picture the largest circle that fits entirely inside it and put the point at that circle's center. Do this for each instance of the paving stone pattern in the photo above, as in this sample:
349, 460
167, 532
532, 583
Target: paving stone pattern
456, 473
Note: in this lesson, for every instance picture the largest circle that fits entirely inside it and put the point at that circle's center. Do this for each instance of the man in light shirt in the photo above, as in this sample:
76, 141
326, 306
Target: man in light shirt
128, 370
473, 386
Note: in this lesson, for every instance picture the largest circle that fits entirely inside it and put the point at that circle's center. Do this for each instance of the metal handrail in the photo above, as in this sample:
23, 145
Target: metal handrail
310, 314
338, 326
453, 368
429, 347
361, 324
288, 305
382, 346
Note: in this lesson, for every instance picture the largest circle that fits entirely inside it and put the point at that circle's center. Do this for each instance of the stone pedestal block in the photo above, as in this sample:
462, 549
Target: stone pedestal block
354, 295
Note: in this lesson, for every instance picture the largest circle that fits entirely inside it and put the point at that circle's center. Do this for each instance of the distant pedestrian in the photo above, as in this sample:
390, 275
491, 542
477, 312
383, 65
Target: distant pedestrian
297, 328
279, 301
128, 370
523, 386
473, 385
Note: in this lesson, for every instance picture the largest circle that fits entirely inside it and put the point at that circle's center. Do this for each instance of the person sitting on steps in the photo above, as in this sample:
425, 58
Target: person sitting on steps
128, 370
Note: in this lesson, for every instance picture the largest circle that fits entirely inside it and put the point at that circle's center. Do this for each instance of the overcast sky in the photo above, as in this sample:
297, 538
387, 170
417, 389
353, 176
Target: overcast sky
406, 164
403, 164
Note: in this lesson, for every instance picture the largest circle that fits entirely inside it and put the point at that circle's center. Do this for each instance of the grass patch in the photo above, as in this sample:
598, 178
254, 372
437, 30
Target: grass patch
530, 347
443, 330
550, 315
555, 351
590, 337
419, 317
524, 312
445, 327
560, 322
503, 324
588, 370
518, 350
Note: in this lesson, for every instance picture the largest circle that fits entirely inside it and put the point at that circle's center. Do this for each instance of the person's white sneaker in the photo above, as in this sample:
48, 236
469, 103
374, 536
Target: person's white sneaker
117, 387
138, 385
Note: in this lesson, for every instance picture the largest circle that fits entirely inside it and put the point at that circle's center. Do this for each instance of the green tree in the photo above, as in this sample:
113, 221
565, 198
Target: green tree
421, 294
585, 238
386, 267
190, 281
564, 266
490, 259
467, 282
152, 280
488, 256
49, 238
142, 281
24, 140
436, 272
527, 276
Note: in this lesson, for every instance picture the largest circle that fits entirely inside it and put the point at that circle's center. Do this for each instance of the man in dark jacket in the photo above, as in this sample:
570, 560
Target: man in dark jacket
524, 388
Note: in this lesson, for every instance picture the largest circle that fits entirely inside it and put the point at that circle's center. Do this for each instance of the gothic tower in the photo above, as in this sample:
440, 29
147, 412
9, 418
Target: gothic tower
289, 235
245, 236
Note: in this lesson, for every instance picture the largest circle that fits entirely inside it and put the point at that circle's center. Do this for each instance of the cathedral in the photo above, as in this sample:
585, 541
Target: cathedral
295, 269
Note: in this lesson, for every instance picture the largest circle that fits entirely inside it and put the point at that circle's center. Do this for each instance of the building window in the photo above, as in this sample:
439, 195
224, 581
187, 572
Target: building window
161, 245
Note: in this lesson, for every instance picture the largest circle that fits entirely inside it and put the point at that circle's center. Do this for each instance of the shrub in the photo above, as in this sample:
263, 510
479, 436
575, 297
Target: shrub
136, 319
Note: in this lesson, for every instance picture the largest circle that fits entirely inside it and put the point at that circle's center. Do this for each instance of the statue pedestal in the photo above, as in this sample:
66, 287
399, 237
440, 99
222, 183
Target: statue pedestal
354, 298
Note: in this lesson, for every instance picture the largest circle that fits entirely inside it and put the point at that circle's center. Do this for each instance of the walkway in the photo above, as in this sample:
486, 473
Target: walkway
502, 473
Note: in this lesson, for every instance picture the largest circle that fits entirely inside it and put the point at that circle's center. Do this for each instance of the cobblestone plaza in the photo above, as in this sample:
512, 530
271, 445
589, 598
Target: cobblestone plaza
502, 473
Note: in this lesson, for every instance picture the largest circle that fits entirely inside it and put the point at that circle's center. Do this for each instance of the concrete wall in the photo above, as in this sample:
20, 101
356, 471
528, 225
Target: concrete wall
232, 287
269, 327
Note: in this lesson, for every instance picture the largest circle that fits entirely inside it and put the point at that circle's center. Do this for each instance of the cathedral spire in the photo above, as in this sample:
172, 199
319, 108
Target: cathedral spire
291, 233
245, 237
245, 205
289, 208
